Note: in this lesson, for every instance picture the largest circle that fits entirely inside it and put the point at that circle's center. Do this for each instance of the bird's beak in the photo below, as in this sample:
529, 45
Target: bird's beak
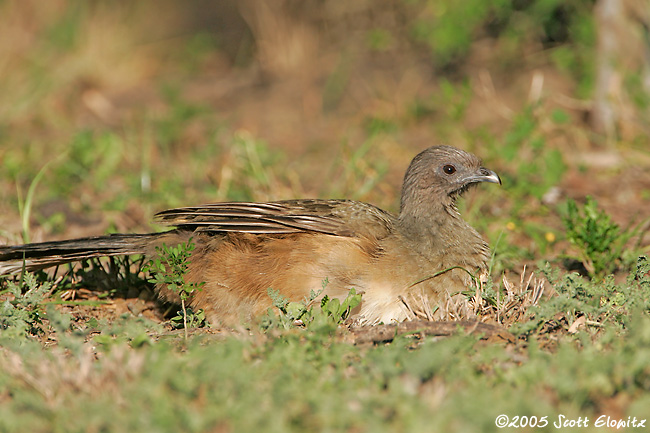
484, 175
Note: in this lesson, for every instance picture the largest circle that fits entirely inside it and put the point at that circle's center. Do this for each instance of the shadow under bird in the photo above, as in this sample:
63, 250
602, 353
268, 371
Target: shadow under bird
402, 263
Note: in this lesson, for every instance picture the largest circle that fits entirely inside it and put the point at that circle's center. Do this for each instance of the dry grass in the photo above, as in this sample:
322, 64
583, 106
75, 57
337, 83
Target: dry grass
504, 306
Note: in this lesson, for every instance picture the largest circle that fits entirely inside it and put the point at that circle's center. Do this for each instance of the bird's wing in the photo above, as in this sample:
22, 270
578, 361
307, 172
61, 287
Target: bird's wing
335, 217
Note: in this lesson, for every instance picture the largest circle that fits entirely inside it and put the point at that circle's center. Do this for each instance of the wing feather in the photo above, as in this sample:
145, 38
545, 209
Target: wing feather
335, 217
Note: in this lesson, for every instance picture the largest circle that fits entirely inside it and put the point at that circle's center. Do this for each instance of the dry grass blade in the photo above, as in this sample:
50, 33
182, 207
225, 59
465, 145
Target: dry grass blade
509, 305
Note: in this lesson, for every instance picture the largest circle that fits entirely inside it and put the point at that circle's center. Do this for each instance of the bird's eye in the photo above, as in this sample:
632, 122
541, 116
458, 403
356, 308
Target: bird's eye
449, 169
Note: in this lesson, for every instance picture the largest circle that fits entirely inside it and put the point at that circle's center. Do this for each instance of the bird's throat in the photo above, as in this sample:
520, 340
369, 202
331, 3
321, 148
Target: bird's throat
439, 229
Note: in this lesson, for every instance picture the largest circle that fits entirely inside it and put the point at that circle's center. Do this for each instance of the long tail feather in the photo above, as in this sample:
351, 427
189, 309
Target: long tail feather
46, 254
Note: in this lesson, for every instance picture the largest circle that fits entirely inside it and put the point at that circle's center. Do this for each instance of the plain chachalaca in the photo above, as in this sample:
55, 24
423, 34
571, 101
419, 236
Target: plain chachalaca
410, 261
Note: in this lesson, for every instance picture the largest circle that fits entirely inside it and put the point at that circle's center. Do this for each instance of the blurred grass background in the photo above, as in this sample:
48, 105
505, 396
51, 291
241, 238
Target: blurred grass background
133, 111
197, 100
113, 110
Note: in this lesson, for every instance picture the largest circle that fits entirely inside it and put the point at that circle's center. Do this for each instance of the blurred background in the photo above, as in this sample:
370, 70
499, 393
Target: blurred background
113, 110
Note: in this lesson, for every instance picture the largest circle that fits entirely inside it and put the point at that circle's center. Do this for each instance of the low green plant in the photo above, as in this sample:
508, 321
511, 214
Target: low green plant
328, 315
603, 303
23, 315
126, 329
169, 269
31, 309
600, 241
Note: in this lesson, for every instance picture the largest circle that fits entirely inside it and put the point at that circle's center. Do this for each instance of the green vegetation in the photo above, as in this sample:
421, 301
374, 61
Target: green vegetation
326, 318
600, 241
22, 316
296, 379
168, 270
600, 304
450, 28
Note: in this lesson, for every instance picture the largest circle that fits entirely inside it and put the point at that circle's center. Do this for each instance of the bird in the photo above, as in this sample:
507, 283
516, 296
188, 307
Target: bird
402, 264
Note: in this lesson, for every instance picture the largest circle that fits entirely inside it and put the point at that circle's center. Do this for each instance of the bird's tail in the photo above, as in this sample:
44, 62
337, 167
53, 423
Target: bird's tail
46, 254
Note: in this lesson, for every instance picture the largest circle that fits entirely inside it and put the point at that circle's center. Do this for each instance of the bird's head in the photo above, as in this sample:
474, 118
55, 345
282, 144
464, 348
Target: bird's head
440, 173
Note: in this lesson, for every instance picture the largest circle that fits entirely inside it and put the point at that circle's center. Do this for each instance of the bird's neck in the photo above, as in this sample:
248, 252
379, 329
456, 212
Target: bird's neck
438, 229
436, 221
